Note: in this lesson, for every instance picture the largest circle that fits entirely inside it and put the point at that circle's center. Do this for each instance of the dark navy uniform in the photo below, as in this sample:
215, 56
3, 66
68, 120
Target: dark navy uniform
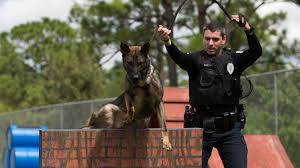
214, 90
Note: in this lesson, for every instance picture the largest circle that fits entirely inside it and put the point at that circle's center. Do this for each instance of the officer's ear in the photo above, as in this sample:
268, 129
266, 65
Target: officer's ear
224, 39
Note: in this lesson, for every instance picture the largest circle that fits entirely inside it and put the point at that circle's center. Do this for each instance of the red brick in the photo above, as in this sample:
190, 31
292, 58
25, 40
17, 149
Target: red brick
197, 132
114, 133
54, 144
88, 143
69, 135
45, 154
69, 143
126, 152
96, 152
44, 135
107, 162
149, 143
50, 163
120, 148
44, 144
154, 133
155, 152
70, 164
115, 152
80, 163
161, 162
82, 153
63, 154
132, 163
83, 134
186, 152
188, 162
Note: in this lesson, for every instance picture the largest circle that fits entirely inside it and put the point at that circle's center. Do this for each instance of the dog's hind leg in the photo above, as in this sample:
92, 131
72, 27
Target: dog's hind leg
108, 116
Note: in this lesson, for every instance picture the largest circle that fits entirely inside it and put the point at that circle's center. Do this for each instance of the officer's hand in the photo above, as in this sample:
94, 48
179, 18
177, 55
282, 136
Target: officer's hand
164, 33
242, 21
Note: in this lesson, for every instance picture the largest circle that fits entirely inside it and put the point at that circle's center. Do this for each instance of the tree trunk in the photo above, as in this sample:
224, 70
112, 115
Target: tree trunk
168, 18
201, 7
158, 57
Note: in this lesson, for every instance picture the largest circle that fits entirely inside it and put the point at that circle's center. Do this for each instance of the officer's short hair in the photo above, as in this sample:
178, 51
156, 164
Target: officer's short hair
215, 26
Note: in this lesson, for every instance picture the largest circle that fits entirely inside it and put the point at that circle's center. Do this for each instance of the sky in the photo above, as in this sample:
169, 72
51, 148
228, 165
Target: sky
14, 12
292, 23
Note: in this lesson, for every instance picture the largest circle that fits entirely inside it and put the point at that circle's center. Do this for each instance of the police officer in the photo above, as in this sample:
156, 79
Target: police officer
214, 89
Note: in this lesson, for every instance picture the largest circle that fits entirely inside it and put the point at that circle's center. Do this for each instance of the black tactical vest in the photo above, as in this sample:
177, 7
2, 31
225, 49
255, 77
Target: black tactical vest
217, 82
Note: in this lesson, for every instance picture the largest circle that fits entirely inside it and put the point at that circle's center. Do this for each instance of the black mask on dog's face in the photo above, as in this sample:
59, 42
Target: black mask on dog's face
135, 61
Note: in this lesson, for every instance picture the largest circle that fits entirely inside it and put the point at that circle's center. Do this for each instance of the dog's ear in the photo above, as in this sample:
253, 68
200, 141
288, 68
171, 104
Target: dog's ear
145, 48
124, 48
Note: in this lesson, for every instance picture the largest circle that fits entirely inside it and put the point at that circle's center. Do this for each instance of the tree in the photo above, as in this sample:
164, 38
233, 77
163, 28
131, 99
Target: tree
105, 24
14, 75
260, 110
52, 64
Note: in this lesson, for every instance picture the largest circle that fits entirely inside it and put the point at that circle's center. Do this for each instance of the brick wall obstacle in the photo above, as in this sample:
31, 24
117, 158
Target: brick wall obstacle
119, 148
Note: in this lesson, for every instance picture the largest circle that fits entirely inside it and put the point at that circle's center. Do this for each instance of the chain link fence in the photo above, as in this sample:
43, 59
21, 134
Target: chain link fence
272, 108
60, 116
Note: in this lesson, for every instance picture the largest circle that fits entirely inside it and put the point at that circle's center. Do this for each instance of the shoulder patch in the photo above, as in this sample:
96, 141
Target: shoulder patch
239, 52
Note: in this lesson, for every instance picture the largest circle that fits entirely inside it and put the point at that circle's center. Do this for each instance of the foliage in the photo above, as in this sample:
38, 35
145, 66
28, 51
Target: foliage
45, 63
260, 110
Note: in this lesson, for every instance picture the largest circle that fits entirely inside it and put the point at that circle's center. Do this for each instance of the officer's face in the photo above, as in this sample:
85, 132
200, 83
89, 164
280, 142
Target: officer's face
213, 42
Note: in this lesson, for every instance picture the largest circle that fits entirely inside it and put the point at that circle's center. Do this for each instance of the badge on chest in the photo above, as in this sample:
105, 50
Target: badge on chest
230, 68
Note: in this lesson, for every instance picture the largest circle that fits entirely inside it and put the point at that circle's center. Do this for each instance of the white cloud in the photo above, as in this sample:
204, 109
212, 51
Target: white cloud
14, 12
291, 24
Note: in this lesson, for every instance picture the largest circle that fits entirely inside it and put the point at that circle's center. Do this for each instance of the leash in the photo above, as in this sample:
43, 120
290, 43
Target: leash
176, 13
223, 9
178, 10
173, 21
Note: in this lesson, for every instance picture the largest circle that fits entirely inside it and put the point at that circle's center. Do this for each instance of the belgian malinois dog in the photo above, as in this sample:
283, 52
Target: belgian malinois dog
141, 105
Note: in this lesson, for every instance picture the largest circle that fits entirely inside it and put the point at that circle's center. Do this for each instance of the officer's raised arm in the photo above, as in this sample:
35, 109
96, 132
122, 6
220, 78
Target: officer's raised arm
182, 59
249, 56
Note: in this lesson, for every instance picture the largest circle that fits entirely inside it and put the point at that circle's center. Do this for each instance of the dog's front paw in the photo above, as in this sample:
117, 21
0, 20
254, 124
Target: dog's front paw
129, 119
130, 116
166, 144
165, 141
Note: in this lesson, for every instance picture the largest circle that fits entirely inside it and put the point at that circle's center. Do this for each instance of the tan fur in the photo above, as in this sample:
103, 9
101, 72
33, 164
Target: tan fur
141, 105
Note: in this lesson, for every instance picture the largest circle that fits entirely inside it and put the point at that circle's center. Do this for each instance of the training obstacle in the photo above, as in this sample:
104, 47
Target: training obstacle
22, 147
119, 148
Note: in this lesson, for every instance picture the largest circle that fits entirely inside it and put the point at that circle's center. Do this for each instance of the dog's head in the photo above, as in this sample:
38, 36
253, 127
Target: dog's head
136, 61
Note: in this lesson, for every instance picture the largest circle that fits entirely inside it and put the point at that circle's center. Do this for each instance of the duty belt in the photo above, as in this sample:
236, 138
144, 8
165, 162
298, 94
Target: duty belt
214, 109
214, 120
217, 118
221, 123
